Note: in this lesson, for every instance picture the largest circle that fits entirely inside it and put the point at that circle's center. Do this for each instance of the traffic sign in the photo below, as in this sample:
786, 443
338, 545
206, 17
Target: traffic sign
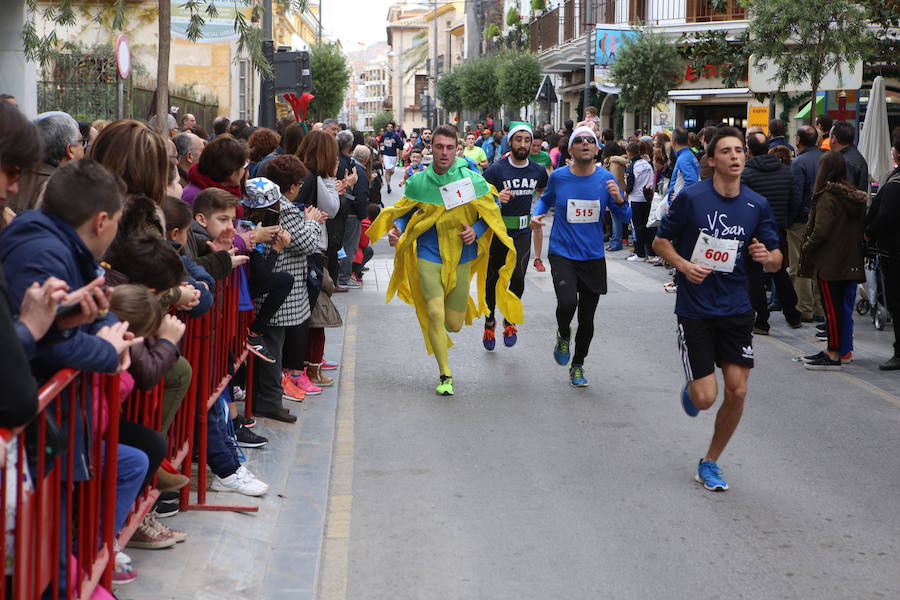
546, 93
123, 57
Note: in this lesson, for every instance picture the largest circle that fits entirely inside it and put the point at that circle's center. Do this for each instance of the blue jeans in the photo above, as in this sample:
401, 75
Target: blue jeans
132, 469
849, 302
615, 240
221, 455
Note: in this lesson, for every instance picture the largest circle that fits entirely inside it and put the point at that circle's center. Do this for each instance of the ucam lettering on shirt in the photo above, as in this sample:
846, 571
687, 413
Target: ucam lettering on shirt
718, 227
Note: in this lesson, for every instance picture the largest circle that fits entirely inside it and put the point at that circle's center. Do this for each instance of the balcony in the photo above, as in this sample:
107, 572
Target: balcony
568, 21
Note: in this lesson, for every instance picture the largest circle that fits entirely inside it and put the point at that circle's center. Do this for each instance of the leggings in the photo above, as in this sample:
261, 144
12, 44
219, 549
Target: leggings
573, 295
446, 309
277, 285
832, 293
496, 260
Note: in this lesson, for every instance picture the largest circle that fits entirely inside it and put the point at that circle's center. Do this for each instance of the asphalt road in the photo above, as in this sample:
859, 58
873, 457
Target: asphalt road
521, 486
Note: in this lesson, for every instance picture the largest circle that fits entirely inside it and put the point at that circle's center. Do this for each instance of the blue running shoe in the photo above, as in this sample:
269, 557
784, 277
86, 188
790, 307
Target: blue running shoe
488, 339
561, 350
687, 403
576, 376
510, 336
710, 475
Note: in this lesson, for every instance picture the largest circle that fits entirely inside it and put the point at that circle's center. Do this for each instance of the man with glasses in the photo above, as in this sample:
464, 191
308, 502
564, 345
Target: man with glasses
62, 142
581, 193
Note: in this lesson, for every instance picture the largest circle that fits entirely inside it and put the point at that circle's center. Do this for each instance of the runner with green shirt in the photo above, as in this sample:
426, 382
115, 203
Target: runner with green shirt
542, 158
475, 153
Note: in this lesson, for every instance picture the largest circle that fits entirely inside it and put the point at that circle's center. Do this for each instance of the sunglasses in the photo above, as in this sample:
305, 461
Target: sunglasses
582, 139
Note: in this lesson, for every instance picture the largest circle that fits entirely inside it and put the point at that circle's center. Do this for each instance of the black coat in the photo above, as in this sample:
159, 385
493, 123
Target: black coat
883, 220
857, 168
769, 177
805, 168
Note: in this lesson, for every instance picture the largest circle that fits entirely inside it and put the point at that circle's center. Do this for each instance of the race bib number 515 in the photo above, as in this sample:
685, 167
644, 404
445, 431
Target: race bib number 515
583, 211
718, 255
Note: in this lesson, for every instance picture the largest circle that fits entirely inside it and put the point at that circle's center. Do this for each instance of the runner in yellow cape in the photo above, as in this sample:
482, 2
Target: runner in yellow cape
415, 280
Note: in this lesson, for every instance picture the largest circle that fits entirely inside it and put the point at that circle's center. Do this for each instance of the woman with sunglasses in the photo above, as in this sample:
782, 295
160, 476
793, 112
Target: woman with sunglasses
581, 192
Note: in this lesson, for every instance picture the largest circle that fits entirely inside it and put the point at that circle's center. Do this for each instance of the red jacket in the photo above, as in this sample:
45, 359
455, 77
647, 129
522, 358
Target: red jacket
363, 241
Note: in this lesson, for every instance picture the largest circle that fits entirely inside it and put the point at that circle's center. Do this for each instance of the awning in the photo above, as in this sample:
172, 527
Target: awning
709, 92
803, 113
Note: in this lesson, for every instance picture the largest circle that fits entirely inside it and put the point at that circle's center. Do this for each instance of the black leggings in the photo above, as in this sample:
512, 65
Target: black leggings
149, 441
640, 212
574, 295
497, 259
277, 285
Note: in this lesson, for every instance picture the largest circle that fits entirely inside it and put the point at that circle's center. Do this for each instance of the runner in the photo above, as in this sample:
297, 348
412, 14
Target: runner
442, 229
542, 158
708, 228
475, 153
581, 193
389, 144
518, 178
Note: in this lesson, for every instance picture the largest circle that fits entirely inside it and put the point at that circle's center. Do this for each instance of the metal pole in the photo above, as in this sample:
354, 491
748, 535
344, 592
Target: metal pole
320, 22
267, 85
434, 67
588, 56
401, 81
120, 97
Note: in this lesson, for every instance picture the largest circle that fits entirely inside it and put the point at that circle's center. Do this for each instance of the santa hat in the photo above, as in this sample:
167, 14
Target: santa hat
517, 126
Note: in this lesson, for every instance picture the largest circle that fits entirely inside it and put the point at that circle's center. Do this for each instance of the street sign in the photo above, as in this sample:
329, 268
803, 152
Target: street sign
546, 93
758, 116
123, 57
764, 79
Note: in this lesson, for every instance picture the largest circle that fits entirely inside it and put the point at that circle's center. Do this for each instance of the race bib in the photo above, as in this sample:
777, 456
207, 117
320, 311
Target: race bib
461, 191
717, 254
583, 211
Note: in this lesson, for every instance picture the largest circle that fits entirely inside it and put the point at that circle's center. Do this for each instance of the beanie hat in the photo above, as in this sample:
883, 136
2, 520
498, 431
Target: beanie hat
517, 126
582, 131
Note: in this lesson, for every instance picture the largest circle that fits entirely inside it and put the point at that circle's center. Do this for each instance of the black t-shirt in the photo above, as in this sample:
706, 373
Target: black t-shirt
521, 181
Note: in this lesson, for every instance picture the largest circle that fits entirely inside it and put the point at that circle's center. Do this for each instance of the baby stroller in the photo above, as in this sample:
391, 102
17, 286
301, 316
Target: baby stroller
872, 295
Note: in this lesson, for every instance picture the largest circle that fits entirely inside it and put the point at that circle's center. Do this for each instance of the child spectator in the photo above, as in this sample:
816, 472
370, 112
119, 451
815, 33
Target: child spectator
210, 239
415, 166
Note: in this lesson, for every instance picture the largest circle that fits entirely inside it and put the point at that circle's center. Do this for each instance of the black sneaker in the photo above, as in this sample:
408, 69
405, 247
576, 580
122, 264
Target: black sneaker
822, 335
248, 422
389, 189
256, 346
821, 326
166, 509
892, 364
824, 363
248, 439
816, 356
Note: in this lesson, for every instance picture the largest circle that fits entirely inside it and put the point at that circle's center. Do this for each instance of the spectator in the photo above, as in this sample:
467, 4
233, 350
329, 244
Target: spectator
857, 168
686, 169
220, 127
263, 142
188, 121
639, 188
765, 174
62, 142
319, 153
824, 123
832, 251
210, 240
236, 129
706, 134
364, 252
615, 162
805, 168
223, 164
188, 147
354, 204
88, 132
171, 126
138, 155
778, 131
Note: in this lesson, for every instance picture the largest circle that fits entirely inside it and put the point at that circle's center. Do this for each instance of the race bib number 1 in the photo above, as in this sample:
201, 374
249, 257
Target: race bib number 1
719, 255
461, 191
583, 211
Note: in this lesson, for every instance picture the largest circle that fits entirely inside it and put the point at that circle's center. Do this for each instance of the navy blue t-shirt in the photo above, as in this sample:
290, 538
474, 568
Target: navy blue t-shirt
700, 207
390, 142
522, 182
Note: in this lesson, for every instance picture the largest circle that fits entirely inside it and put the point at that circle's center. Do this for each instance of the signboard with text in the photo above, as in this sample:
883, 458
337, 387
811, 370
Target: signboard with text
758, 116
218, 28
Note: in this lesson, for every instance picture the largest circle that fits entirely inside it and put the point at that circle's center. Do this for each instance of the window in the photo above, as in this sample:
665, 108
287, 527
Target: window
244, 83
421, 88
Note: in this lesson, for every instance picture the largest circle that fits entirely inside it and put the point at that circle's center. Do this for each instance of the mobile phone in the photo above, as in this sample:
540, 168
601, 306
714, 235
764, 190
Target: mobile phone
243, 226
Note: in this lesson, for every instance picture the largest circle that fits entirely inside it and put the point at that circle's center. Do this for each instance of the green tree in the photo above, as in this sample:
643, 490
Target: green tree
518, 78
806, 39
449, 90
478, 84
330, 78
646, 68
380, 120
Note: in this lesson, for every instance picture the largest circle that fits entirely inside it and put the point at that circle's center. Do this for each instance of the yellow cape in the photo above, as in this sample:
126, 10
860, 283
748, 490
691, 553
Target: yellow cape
405, 278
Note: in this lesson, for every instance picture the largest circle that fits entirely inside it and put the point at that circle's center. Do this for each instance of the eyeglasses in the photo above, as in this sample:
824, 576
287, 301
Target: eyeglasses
582, 139
84, 143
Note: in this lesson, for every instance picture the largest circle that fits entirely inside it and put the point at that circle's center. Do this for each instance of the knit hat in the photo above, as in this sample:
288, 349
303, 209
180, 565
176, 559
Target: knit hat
517, 126
261, 192
582, 131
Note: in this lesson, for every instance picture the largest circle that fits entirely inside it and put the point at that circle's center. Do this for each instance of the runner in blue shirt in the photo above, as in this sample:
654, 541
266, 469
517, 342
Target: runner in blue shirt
517, 178
709, 228
391, 142
581, 193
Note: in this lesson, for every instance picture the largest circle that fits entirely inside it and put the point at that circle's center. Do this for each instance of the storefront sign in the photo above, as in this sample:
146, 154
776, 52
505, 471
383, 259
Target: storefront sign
758, 116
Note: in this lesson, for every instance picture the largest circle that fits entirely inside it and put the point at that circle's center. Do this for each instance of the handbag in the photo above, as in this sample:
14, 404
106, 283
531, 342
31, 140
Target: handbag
655, 205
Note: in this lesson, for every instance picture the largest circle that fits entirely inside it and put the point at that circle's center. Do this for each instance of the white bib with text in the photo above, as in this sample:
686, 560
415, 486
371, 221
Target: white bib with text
583, 211
461, 191
717, 254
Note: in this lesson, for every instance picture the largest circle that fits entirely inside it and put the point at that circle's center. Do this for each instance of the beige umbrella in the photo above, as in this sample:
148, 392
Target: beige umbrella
874, 140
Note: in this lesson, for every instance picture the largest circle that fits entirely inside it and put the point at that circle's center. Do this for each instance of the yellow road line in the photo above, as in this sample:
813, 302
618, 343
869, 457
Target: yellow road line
862, 383
336, 545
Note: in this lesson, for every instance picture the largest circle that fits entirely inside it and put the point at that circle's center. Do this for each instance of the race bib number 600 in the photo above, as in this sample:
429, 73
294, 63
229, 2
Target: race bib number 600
461, 191
719, 255
583, 211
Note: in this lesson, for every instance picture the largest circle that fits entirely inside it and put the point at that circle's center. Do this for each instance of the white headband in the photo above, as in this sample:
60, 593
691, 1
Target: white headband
582, 131
517, 128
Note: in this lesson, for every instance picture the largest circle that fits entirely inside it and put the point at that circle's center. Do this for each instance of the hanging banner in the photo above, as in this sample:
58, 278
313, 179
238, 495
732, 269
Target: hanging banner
608, 41
219, 28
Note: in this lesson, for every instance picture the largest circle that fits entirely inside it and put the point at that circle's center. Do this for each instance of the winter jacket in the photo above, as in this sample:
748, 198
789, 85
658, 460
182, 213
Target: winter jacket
617, 165
769, 177
685, 172
151, 361
780, 141
883, 220
857, 168
18, 403
805, 168
217, 264
832, 249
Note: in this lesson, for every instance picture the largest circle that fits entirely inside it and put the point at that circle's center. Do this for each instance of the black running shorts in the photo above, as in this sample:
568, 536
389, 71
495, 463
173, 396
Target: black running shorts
706, 343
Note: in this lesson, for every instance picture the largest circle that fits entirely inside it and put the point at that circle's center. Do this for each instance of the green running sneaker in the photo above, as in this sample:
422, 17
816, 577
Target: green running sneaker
561, 350
445, 387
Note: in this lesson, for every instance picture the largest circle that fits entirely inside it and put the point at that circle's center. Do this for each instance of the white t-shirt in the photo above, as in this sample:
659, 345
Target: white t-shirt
643, 176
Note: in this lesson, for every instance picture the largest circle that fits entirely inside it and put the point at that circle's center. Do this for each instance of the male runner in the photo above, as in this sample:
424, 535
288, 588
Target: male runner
442, 229
708, 229
518, 178
538, 155
581, 194
390, 143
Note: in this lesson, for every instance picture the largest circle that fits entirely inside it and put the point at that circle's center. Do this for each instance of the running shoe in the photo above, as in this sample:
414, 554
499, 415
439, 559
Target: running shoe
248, 422
634, 258
445, 386
687, 404
248, 439
561, 350
847, 358
510, 335
710, 475
822, 335
327, 365
576, 376
488, 339
289, 391
356, 279
824, 363
539, 265
303, 382
813, 357
670, 287
256, 346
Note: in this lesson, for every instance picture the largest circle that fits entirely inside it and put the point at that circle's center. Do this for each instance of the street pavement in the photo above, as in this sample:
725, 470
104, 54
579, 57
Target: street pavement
523, 487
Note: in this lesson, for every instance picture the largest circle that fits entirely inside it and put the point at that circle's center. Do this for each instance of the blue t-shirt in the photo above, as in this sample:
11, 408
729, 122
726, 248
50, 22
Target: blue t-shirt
701, 208
579, 241
522, 182
413, 169
390, 142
